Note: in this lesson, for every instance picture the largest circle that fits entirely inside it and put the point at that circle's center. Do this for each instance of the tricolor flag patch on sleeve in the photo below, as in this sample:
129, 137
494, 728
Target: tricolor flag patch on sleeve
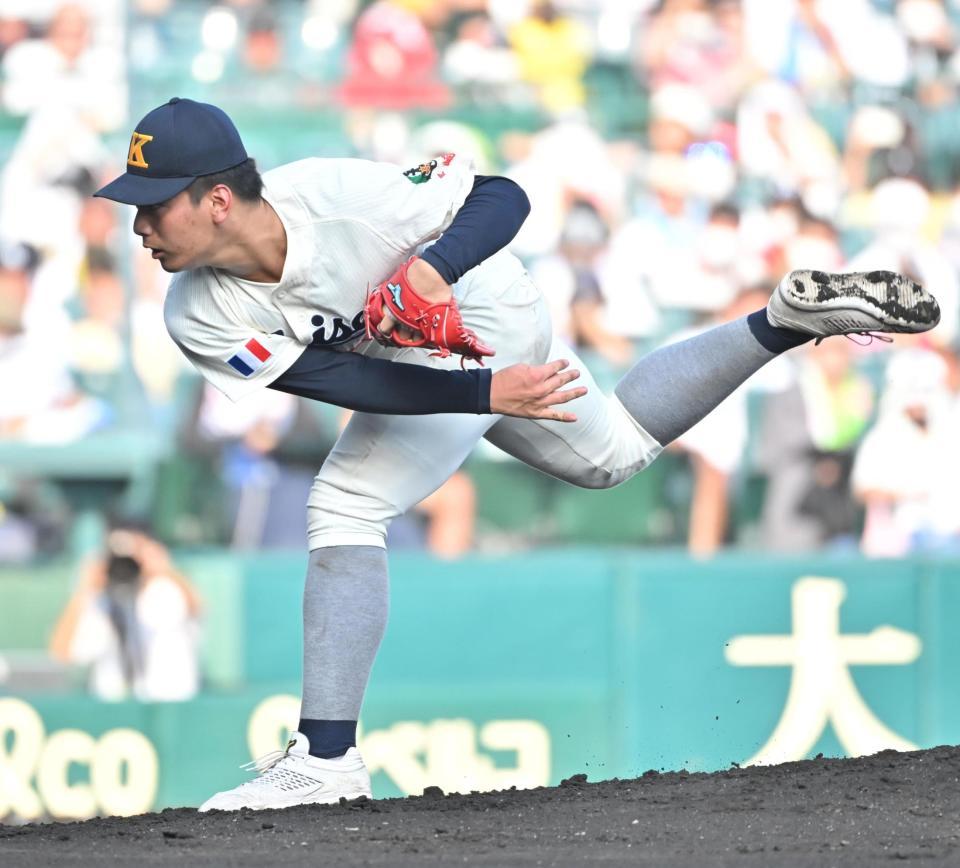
249, 358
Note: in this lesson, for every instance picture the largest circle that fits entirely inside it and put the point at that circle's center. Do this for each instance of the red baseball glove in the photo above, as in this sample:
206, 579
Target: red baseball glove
439, 325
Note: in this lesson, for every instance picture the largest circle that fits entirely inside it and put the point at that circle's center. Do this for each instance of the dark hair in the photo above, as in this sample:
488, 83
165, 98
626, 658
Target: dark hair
17, 256
812, 221
725, 211
243, 179
100, 259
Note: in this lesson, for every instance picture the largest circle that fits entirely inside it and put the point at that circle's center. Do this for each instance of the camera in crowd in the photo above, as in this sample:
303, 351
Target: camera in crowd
124, 570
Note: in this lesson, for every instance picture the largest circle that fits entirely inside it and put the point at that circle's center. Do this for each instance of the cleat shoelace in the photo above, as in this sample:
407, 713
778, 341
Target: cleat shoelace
850, 336
265, 762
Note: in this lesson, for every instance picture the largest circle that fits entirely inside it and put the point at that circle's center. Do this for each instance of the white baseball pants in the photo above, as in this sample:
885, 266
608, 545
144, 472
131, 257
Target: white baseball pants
382, 465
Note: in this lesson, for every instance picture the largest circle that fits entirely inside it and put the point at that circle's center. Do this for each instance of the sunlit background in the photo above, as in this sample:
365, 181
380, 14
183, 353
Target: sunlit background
680, 156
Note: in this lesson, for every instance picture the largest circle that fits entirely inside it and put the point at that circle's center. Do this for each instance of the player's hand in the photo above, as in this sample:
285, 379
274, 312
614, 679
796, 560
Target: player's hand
533, 392
429, 285
93, 578
389, 327
396, 314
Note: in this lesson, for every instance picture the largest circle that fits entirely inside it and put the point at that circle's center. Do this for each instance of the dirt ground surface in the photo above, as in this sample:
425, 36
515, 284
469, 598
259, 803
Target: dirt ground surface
891, 808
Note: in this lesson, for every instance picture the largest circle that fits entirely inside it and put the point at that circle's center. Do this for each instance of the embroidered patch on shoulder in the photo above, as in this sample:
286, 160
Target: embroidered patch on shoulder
249, 357
422, 173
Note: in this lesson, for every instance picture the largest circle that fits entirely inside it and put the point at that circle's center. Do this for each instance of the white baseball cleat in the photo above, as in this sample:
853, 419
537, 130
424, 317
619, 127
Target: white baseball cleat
293, 777
823, 304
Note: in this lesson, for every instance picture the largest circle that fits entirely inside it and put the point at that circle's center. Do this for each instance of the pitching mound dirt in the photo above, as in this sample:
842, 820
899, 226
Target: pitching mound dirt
888, 808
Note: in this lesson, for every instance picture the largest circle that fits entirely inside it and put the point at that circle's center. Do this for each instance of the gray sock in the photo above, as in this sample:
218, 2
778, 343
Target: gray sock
674, 387
345, 605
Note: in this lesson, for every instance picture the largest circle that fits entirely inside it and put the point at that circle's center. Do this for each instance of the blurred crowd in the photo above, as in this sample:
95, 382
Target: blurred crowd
680, 157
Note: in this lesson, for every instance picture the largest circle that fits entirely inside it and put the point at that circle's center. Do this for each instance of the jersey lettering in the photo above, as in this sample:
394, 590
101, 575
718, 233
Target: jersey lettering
341, 331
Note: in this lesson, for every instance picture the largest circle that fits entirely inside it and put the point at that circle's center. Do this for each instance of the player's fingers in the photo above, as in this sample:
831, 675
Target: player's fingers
555, 384
558, 416
542, 373
561, 379
555, 367
405, 331
387, 324
564, 396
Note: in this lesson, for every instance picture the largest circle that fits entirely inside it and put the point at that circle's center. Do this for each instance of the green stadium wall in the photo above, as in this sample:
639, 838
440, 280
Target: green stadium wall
514, 671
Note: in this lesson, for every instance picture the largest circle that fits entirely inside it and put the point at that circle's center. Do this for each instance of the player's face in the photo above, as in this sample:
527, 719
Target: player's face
178, 232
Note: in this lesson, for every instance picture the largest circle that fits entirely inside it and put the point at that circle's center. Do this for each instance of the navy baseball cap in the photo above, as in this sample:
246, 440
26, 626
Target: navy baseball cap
174, 144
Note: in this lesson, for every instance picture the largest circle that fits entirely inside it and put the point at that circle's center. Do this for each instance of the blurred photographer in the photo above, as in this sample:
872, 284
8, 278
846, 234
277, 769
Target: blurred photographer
134, 620
913, 508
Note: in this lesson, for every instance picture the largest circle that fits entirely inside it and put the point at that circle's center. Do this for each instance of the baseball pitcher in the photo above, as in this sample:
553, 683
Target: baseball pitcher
366, 285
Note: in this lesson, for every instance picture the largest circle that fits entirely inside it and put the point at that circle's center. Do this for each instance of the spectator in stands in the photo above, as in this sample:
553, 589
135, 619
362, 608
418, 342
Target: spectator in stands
158, 363
732, 67
552, 51
783, 149
673, 44
98, 223
931, 42
785, 236
134, 620
41, 403
681, 142
67, 68
263, 47
150, 33
808, 435
914, 507
719, 260
672, 215
44, 182
878, 143
811, 58
478, 62
815, 245
557, 165
33, 521
821, 48
572, 281
392, 62
71, 94
266, 451
13, 29
699, 44
949, 242
765, 230
18, 263
97, 354
583, 246
899, 212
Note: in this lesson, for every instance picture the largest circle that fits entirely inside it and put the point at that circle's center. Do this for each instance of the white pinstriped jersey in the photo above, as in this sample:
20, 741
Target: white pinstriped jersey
349, 224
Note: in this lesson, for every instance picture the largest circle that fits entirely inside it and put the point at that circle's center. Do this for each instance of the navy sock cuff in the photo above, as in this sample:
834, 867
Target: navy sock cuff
329, 738
773, 338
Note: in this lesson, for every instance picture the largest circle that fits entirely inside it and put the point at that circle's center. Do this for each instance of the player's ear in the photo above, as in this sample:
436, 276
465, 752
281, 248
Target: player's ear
221, 201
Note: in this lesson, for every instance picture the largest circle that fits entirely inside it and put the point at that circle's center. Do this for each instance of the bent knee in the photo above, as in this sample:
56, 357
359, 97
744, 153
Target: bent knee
339, 517
627, 450
601, 477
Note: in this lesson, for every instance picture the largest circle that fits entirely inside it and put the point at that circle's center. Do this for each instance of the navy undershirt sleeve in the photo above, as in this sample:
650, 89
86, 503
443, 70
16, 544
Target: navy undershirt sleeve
488, 220
381, 386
